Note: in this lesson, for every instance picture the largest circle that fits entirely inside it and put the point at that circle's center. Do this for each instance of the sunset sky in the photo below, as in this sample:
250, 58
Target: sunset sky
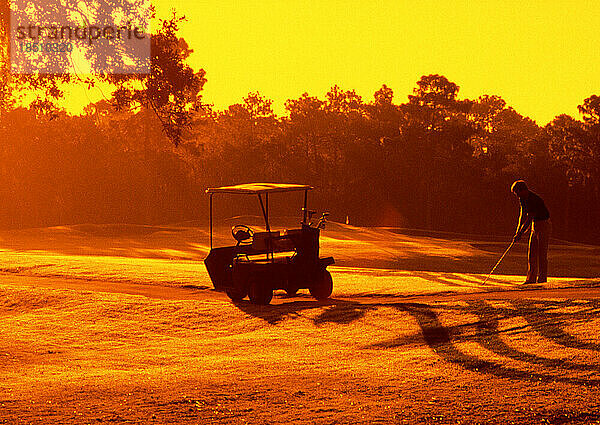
542, 57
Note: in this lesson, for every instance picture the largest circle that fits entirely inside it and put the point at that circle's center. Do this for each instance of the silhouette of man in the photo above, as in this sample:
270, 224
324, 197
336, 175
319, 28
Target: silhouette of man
535, 214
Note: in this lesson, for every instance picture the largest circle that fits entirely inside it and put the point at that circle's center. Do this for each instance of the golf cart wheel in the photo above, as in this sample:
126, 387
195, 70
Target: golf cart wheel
322, 288
259, 292
236, 294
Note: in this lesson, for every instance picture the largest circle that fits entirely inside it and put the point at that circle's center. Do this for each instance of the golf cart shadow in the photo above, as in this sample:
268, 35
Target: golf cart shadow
555, 353
338, 311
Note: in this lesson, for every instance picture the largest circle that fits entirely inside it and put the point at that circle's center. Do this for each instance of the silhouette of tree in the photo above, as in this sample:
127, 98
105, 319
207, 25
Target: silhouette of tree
171, 89
306, 130
590, 109
435, 162
437, 123
571, 147
41, 91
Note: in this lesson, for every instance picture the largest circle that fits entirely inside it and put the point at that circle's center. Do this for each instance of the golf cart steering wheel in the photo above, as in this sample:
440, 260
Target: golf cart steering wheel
241, 233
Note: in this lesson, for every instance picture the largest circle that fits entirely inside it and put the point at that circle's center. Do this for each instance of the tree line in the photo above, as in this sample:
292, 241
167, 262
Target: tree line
433, 162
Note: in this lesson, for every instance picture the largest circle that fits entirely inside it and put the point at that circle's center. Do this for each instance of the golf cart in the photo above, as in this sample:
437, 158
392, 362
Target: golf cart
263, 261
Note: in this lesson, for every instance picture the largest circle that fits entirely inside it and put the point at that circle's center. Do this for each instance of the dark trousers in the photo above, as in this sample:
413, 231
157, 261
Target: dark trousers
537, 254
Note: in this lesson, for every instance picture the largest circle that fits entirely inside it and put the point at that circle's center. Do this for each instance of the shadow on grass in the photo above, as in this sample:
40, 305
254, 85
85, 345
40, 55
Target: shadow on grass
548, 318
486, 332
342, 312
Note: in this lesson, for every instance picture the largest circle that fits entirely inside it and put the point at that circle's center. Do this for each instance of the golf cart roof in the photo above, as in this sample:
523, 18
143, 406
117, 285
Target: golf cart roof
258, 188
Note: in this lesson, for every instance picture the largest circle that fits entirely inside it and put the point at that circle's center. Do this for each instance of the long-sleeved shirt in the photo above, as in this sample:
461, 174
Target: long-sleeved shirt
535, 207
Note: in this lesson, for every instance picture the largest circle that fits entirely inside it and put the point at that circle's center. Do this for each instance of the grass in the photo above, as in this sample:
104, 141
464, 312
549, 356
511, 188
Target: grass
111, 334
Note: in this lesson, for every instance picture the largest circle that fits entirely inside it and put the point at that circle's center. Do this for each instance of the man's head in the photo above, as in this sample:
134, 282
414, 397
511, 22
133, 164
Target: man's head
519, 188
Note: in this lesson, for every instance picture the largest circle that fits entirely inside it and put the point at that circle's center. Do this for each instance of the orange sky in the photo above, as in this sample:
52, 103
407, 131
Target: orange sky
542, 57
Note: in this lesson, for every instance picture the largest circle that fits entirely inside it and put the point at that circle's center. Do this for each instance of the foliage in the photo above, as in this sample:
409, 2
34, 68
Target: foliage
433, 162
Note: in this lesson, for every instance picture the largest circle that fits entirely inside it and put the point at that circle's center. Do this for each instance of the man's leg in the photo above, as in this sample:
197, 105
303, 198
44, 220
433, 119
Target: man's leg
543, 240
532, 257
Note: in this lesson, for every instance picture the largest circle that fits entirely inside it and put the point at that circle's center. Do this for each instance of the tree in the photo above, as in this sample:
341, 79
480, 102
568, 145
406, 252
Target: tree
306, 127
171, 89
590, 110
575, 152
435, 134
571, 147
38, 90
245, 141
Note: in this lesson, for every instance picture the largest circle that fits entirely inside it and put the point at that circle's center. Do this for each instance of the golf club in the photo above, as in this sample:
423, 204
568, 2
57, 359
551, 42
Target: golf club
499, 261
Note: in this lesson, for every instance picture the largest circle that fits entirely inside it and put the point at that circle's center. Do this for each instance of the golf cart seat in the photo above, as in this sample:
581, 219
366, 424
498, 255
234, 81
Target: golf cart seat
274, 241
260, 241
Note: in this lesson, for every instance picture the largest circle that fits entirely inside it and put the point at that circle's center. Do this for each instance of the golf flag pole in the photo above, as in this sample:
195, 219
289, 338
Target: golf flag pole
499, 261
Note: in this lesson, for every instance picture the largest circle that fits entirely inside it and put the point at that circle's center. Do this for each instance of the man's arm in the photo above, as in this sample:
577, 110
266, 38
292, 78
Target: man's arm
523, 225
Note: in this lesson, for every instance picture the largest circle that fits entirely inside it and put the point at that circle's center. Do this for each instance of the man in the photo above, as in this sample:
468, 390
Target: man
534, 213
